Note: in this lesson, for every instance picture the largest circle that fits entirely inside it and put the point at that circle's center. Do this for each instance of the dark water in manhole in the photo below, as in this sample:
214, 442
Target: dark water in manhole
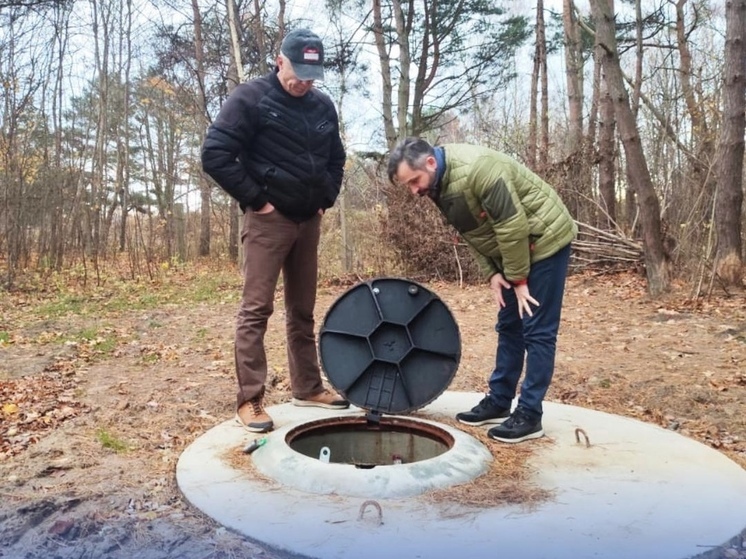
367, 445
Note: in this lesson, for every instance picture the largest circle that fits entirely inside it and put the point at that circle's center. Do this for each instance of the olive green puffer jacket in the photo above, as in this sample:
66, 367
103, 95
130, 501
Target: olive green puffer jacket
508, 215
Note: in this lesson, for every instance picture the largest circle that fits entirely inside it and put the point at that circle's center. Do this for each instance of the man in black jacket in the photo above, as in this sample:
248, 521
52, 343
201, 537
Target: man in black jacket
275, 147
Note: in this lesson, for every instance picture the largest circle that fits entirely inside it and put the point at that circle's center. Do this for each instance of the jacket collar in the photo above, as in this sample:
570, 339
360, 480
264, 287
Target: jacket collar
440, 159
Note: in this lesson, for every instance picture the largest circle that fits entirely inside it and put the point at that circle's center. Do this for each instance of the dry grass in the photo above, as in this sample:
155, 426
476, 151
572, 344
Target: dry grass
509, 480
242, 462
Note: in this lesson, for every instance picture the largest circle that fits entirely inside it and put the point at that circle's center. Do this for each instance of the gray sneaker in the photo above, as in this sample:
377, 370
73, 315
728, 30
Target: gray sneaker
517, 428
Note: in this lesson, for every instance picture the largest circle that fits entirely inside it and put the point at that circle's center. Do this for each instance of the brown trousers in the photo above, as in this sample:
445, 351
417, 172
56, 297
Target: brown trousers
272, 243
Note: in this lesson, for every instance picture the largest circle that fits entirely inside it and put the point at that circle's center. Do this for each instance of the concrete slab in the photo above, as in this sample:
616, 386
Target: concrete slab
637, 491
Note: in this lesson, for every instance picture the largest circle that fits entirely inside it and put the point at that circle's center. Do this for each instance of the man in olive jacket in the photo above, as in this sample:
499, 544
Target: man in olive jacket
520, 233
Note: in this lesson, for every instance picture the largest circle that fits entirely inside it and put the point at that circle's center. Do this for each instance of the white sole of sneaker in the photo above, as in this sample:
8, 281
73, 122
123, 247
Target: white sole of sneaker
312, 404
495, 421
528, 437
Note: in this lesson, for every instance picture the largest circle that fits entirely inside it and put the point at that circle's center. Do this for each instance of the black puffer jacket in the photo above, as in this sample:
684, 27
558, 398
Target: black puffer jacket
268, 146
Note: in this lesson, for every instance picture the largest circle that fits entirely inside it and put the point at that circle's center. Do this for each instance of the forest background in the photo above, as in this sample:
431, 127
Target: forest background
118, 256
636, 118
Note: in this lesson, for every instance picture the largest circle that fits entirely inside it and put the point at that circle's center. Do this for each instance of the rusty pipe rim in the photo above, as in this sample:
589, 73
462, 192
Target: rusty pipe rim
394, 424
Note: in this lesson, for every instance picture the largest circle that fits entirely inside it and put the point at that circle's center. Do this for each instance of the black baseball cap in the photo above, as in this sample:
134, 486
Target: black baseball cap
306, 54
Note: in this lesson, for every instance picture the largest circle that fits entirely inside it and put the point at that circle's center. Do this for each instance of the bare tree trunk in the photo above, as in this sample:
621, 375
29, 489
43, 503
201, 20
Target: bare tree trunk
630, 197
538, 65
101, 19
729, 197
427, 68
204, 185
592, 130
544, 119
606, 157
591, 155
349, 54
125, 185
235, 76
699, 177
578, 186
700, 129
685, 67
383, 55
574, 78
637, 83
60, 187
402, 97
656, 259
259, 34
235, 43
281, 18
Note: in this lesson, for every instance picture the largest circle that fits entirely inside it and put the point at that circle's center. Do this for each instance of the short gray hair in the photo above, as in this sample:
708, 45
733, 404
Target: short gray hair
411, 150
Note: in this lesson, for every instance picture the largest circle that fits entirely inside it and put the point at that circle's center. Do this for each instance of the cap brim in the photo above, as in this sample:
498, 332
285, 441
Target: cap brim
307, 72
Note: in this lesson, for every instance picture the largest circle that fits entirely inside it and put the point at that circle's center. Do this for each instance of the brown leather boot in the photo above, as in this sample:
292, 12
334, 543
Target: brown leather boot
326, 399
252, 417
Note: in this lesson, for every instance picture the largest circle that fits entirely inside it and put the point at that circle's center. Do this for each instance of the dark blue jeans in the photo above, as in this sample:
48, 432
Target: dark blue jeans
534, 338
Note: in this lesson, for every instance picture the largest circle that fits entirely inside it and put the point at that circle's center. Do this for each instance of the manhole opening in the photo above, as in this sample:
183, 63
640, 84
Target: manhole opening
365, 444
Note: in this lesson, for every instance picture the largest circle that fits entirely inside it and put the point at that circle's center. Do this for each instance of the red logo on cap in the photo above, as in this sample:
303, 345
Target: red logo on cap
310, 54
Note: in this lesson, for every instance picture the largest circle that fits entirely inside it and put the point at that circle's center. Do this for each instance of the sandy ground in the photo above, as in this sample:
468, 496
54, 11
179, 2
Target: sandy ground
90, 437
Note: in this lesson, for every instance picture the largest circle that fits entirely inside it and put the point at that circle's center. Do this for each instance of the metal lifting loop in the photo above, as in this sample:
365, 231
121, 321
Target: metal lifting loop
375, 505
578, 431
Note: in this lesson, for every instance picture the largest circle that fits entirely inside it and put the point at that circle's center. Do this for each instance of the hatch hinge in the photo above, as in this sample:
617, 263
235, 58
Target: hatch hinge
373, 418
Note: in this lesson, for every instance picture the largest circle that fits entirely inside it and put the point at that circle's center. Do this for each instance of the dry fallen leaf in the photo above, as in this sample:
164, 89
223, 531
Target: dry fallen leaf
10, 409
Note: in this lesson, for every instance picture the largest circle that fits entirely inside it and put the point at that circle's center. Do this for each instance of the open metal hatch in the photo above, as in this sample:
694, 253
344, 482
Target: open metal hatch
389, 345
